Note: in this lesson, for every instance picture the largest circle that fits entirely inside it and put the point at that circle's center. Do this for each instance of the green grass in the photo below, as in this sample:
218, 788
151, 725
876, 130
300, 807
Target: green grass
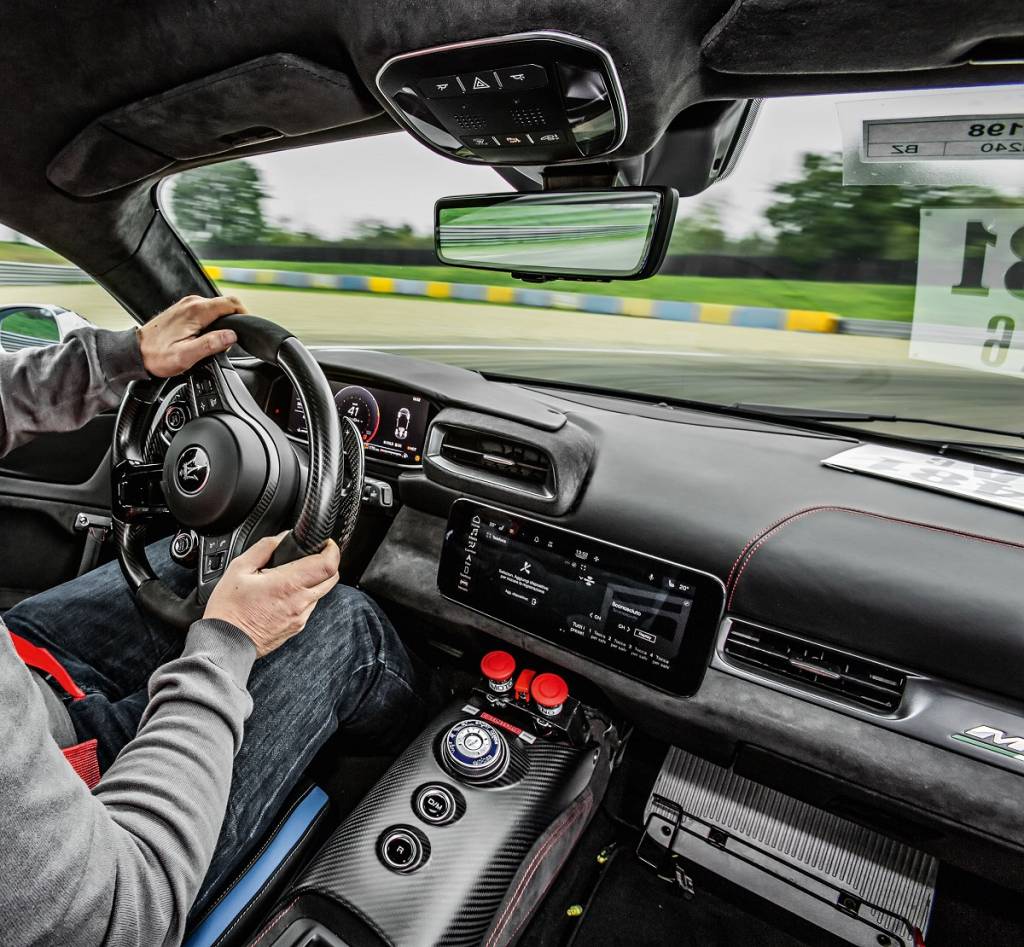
855, 300
26, 323
11, 252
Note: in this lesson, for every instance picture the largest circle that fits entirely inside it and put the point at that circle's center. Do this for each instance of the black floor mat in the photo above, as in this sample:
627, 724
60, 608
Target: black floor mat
631, 906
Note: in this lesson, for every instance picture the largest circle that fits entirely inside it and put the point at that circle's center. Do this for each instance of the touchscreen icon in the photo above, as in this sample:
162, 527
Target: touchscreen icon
525, 567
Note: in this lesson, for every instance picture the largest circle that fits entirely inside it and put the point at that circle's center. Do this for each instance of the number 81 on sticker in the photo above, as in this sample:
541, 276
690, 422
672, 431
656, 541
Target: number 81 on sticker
969, 299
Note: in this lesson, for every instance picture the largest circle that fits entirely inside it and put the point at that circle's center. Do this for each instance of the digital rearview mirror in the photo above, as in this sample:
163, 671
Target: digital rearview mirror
620, 233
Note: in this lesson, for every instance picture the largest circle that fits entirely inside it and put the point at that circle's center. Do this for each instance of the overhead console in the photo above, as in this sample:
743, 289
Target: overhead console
527, 99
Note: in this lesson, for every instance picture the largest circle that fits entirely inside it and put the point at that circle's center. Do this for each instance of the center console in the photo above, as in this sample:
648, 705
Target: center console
459, 840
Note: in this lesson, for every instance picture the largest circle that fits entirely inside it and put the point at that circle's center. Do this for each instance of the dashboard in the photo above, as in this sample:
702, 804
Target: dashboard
835, 635
392, 423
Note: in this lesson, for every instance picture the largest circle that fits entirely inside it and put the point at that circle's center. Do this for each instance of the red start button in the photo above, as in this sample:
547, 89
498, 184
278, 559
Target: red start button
498, 667
549, 693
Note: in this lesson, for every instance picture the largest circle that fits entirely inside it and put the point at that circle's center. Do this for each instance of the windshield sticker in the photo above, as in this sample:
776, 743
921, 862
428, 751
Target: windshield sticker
946, 137
969, 299
984, 137
979, 482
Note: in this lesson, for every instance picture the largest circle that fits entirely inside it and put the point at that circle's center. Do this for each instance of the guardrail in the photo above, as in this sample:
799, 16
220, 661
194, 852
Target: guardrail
755, 317
15, 341
38, 274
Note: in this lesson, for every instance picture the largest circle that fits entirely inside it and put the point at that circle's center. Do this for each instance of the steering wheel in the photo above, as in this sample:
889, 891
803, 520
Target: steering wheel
230, 474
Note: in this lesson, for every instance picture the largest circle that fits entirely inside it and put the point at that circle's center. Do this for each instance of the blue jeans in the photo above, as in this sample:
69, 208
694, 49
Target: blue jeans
347, 668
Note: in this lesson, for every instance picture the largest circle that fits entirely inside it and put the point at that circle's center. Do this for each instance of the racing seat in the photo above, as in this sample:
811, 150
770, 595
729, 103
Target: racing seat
260, 881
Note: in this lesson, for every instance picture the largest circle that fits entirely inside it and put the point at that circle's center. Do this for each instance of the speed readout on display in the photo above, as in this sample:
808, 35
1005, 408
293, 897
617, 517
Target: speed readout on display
361, 407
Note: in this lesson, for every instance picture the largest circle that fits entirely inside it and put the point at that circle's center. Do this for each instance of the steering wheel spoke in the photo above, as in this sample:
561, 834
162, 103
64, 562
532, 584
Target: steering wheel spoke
137, 493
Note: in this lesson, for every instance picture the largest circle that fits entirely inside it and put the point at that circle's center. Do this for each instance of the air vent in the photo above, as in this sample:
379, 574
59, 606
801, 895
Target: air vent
857, 680
498, 458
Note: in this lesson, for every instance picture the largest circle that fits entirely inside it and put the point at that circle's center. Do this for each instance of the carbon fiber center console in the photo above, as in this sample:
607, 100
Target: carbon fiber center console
461, 837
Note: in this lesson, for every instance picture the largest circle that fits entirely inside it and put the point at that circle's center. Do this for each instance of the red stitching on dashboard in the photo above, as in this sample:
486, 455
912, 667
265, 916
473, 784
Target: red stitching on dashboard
781, 524
753, 539
534, 863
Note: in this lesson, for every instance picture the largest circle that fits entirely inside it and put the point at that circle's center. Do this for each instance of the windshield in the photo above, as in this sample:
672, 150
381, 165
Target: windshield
790, 282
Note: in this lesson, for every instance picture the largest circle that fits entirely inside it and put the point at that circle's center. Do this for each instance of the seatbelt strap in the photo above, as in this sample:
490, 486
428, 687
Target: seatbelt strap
41, 660
84, 761
81, 756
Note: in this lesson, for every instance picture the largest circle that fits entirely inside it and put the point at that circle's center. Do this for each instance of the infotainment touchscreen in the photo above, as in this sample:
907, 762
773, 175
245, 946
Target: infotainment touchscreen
648, 618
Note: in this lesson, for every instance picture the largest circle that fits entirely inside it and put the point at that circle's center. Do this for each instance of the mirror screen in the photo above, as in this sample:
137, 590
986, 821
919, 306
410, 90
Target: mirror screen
595, 233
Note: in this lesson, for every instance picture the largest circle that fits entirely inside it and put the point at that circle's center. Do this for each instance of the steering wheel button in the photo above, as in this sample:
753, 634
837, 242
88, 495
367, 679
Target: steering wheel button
214, 563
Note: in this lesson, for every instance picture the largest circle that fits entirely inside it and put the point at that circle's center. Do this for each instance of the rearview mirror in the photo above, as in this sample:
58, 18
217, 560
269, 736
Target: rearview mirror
620, 233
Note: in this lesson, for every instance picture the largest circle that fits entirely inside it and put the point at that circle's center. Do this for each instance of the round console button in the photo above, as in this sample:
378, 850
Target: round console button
498, 667
549, 693
436, 804
401, 849
475, 750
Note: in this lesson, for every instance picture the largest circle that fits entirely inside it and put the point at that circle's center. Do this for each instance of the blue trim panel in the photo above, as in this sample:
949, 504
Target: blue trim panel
248, 886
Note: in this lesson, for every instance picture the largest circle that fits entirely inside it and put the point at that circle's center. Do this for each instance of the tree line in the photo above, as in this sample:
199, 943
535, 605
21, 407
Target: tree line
811, 219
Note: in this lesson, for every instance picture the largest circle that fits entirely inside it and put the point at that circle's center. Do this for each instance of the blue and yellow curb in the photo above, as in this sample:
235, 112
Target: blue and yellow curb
752, 317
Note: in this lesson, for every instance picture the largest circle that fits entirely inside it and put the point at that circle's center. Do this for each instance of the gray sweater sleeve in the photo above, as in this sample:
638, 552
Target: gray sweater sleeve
60, 387
121, 865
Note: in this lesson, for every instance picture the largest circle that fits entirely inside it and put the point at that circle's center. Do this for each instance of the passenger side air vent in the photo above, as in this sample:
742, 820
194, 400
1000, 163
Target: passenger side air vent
860, 681
498, 457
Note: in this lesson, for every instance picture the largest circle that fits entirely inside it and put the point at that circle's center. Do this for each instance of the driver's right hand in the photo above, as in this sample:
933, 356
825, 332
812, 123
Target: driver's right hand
272, 605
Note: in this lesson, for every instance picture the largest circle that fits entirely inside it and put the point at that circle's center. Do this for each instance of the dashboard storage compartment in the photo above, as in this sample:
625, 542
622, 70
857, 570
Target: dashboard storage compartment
460, 839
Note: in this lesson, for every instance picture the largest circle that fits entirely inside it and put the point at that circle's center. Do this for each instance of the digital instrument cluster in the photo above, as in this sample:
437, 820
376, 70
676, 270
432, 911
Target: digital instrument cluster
648, 618
393, 424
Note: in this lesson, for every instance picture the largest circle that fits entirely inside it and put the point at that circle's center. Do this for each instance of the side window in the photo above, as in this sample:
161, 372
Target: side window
22, 327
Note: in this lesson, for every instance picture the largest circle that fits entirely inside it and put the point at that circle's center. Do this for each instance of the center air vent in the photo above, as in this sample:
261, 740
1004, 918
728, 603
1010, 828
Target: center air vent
858, 680
497, 458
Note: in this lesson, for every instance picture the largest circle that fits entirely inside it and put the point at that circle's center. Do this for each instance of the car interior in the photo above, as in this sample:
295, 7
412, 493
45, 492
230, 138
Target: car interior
693, 680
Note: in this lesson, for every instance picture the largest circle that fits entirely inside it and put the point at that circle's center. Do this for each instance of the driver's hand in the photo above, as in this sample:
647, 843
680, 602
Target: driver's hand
171, 342
272, 605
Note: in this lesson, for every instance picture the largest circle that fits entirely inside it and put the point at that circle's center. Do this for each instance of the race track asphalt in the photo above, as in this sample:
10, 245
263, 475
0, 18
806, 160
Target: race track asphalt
683, 360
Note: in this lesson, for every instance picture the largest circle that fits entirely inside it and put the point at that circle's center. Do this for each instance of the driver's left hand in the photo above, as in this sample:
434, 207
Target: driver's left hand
171, 343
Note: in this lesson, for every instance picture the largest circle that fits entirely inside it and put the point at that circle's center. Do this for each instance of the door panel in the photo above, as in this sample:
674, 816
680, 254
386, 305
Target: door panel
44, 485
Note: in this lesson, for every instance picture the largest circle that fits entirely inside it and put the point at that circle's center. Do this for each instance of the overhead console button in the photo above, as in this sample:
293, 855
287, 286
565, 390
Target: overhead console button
480, 82
481, 141
442, 87
515, 78
549, 137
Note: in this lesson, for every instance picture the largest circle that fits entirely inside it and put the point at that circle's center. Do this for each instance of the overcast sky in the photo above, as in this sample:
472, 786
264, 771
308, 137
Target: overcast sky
393, 177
